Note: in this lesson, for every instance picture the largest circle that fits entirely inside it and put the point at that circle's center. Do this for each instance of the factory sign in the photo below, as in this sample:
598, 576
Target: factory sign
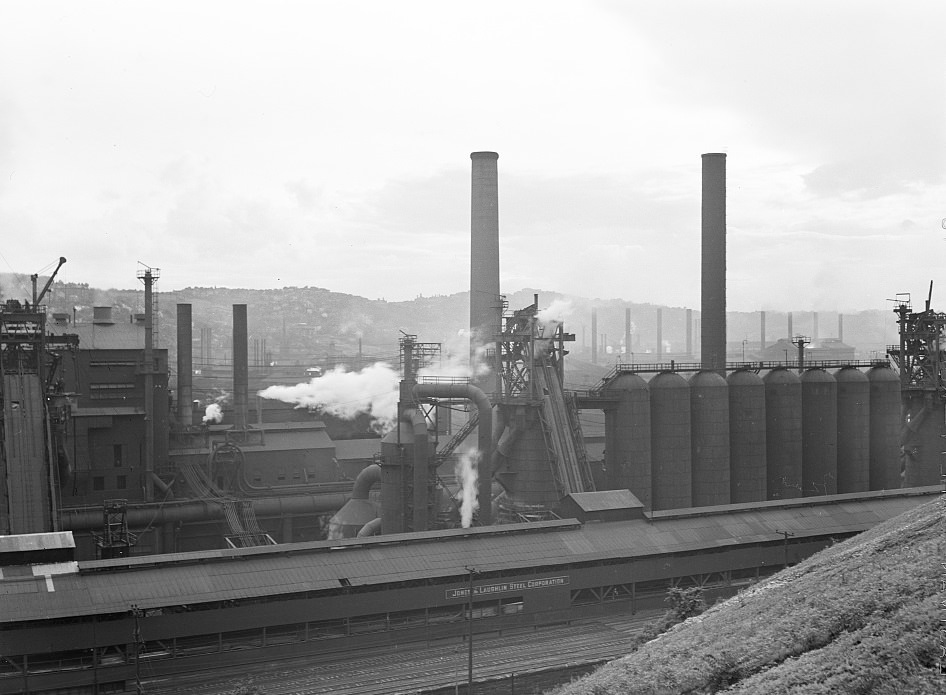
505, 587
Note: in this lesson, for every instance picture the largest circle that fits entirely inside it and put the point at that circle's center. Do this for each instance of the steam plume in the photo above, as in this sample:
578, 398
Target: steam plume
555, 313
213, 413
373, 391
467, 472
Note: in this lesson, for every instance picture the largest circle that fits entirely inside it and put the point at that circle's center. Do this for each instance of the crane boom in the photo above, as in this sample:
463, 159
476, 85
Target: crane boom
38, 298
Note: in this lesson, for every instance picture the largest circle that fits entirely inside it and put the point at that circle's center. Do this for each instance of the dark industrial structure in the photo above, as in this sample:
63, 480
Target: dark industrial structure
97, 626
255, 534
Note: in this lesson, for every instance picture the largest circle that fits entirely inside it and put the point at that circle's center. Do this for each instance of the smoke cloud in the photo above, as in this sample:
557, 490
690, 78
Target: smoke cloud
467, 472
372, 391
213, 413
555, 313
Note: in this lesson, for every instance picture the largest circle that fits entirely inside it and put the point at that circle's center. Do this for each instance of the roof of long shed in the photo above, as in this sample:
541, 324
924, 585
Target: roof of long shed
112, 586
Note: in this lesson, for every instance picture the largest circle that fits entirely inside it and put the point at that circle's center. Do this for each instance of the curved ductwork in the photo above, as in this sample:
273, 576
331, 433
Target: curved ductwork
421, 471
369, 476
372, 528
484, 438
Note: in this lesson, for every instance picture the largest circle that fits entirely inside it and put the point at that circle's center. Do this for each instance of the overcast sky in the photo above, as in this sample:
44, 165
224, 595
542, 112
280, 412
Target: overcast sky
273, 144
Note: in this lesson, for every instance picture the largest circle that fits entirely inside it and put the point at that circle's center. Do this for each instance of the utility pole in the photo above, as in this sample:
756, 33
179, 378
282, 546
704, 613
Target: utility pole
136, 613
469, 678
785, 535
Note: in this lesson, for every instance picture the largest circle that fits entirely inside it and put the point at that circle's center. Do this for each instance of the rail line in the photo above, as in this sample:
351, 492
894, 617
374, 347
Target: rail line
416, 667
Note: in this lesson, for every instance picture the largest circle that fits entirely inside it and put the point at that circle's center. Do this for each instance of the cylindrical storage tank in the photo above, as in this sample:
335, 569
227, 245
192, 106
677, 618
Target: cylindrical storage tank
782, 434
884, 428
627, 438
746, 437
819, 431
853, 430
709, 441
670, 441
397, 456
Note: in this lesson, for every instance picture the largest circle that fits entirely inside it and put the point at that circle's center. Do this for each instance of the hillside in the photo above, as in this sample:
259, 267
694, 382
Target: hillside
308, 324
858, 617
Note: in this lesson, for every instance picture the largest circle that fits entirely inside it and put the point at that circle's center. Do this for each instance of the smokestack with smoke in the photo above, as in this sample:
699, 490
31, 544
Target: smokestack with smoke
466, 471
372, 391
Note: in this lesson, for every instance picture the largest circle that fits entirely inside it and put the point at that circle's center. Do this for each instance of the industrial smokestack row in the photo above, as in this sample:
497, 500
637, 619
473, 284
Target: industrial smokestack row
708, 441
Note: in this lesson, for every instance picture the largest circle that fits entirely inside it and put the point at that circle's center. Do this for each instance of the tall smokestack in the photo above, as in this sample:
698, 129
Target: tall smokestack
485, 303
841, 327
814, 326
594, 336
185, 366
762, 330
241, 368
790, 330
660, 333
689, 334
627, 335
713, 307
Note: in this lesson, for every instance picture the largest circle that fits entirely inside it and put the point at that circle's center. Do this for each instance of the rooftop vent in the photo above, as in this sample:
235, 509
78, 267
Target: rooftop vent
102, 315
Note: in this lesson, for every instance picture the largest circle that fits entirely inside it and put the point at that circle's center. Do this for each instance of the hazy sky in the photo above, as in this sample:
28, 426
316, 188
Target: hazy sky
272, 144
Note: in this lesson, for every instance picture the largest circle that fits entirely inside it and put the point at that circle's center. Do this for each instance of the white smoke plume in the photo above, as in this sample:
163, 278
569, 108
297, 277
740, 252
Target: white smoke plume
549, 319
466, 471
213, 413
373, 391
555, 314
455, 359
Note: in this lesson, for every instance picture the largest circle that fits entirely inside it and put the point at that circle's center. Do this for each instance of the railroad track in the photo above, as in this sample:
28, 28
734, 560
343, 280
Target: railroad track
415, 668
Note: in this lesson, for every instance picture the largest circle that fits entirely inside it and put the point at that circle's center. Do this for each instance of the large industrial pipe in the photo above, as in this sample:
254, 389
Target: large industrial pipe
485, 303
185, 366
421, 471
484, 438
86, 518
241, 367
713, 284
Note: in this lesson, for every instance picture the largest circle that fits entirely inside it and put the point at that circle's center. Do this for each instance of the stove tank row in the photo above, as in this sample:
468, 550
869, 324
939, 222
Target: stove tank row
708, 440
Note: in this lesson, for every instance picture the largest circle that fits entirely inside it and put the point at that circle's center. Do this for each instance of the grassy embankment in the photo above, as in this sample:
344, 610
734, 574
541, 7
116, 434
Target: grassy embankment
859, 617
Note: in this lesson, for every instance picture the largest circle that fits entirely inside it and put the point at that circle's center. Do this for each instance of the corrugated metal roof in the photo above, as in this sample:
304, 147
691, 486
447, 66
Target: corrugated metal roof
605, 500
189, 578
36, 541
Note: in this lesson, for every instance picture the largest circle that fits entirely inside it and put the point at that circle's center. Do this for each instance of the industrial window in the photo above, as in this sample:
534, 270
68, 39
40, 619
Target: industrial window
327, 629
369, 623
402, 619
98, 482
241, 639
285, 634
198, 644
112, 363
60, 661
446, 614
657, 586
121, 482
105, 391
511, 606
117, 455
